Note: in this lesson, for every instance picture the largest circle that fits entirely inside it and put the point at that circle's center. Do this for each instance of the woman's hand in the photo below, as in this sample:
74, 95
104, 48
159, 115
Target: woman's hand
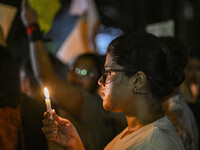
61, 131
28, 15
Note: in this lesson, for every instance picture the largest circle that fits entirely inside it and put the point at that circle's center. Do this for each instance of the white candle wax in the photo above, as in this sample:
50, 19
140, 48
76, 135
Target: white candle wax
48, 102
48, 105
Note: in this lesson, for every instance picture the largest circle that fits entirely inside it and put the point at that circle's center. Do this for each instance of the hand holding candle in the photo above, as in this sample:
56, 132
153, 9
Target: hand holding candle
48, 102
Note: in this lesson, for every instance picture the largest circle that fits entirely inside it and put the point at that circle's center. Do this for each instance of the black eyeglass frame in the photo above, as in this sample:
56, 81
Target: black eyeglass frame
114, 70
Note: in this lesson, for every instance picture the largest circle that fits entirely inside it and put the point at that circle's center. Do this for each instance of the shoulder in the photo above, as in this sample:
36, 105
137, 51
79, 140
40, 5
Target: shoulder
164, 136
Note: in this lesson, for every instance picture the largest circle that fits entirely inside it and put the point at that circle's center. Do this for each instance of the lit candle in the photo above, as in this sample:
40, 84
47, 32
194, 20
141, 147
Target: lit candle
48, 102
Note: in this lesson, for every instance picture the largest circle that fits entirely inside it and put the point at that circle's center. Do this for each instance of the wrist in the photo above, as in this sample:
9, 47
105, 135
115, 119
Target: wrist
34, 33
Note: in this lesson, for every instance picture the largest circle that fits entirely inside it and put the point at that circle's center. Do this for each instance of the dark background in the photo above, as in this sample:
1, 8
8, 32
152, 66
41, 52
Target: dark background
124, 14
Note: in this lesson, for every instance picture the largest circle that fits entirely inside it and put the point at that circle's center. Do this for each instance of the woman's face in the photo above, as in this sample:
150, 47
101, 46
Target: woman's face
115, 92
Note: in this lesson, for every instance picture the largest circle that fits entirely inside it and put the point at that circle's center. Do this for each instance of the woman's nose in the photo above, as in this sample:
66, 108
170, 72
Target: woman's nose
100, 81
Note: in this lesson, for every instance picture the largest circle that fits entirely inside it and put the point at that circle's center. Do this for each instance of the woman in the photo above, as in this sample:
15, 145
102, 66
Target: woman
137, 76
76, 99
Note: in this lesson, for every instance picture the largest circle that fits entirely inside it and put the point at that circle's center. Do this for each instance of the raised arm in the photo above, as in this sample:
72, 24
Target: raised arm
66, 94
93, 21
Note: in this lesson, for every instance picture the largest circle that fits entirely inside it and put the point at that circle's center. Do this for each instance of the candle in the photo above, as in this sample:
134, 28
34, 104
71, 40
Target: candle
48, 102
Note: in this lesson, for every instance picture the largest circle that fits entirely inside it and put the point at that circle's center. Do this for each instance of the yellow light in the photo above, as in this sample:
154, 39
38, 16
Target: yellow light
46, 93
48, 102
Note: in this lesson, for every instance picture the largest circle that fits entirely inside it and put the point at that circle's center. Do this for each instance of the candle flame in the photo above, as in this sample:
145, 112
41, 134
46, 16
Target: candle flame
46, 93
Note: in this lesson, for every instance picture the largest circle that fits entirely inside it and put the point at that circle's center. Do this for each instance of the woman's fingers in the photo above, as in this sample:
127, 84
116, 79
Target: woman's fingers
50, 136
49, 122
50, 126
46, 114
50, 129
61, 121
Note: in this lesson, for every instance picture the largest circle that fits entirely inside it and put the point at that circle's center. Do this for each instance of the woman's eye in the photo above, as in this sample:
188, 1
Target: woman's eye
107, 73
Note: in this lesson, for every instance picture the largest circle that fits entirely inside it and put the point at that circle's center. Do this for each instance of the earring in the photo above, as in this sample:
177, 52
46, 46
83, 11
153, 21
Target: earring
135, 91
138, 76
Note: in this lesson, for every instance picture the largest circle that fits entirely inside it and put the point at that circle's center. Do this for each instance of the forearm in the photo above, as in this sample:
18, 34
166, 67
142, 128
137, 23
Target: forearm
93, 23
42, 67
39, 58
66, 95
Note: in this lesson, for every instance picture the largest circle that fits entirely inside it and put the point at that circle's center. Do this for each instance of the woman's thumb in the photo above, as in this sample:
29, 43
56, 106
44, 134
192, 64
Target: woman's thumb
54, 115
58, 119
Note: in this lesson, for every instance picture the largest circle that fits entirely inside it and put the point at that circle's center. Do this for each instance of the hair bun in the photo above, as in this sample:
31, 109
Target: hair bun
177, 77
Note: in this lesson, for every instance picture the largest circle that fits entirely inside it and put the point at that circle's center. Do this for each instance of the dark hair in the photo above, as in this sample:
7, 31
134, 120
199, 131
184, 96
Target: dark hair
9, 81
28, 71
194, 51
143, 52
97, 60
178, 57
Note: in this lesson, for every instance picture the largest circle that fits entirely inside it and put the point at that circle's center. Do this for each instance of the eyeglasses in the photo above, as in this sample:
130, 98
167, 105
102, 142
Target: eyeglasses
83, 73
108, 72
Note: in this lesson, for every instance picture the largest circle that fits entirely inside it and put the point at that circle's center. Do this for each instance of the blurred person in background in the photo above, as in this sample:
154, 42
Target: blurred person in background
175, 105
136, 78
191, 86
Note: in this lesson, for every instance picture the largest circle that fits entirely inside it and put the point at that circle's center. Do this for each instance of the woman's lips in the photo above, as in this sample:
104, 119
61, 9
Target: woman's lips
102, 94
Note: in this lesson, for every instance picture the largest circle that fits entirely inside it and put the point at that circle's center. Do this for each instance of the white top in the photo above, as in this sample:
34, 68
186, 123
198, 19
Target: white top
159, 135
